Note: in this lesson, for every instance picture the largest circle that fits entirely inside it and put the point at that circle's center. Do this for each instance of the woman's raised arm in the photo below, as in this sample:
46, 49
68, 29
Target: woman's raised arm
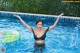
51, 27
26, 25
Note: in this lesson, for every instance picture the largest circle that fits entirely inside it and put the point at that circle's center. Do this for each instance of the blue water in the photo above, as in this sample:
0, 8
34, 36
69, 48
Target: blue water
64, 38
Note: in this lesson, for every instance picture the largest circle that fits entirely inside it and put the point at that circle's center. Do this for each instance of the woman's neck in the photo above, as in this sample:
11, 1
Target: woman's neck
39, 29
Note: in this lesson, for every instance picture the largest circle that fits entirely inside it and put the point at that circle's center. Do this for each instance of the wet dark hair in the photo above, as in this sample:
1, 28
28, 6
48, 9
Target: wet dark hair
38, 21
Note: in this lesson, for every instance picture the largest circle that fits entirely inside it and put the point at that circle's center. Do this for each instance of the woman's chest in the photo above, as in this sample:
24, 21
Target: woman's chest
39, 33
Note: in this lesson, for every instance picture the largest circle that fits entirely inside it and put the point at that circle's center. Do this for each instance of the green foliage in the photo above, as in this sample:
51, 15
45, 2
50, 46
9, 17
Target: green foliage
41, 7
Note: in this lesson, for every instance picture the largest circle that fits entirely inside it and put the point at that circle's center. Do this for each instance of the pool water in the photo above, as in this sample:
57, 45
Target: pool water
64, 38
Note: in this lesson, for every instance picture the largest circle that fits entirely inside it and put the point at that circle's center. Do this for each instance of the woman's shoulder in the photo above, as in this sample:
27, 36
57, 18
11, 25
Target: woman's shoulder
45, 28
33, 29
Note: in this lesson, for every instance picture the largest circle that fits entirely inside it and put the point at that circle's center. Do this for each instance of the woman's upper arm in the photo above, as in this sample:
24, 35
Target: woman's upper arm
49, 28
46, 29
32, 29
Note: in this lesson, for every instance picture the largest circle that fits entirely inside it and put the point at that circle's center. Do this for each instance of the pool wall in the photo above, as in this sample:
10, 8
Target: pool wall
64, 20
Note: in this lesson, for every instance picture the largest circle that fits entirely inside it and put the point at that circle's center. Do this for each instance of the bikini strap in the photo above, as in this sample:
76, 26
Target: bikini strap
47, 29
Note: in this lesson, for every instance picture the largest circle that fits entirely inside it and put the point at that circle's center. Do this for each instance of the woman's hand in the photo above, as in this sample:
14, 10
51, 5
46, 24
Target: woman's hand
17, 16
61, 15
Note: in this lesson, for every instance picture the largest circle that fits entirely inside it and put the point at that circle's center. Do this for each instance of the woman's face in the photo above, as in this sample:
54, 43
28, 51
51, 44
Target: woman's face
39, 24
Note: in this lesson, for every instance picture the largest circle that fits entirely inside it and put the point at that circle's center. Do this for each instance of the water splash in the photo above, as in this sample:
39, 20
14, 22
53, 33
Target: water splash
74, 35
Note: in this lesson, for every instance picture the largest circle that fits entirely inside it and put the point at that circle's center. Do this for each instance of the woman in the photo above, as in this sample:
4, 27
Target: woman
39, 33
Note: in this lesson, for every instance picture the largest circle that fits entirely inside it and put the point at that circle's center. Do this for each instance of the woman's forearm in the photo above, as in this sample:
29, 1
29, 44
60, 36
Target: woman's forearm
22, 21
51, 27
26, 25
56, 21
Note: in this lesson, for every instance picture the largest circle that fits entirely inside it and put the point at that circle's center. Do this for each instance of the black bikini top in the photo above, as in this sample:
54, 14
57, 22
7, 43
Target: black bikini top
42, 37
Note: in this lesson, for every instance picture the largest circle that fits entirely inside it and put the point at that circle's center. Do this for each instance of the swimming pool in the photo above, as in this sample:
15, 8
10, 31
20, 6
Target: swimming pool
64, 38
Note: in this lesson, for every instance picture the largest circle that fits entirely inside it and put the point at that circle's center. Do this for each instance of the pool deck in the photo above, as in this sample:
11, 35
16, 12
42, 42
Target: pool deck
39, 14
